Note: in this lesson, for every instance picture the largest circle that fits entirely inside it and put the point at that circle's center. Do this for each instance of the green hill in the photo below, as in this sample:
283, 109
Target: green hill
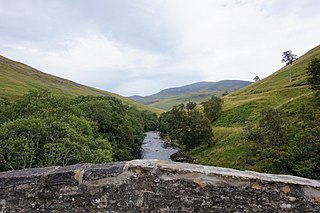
275, 91
16, 79
196, 92
244, 106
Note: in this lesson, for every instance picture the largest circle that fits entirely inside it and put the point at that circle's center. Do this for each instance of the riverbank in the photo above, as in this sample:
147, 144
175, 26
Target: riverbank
180, 156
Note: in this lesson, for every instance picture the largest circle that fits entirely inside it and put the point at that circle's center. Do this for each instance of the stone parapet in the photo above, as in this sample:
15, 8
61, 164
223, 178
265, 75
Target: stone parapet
154, 186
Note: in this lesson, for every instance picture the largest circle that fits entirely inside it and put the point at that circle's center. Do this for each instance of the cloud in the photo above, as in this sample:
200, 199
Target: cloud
95, 56
240, 39
140, 47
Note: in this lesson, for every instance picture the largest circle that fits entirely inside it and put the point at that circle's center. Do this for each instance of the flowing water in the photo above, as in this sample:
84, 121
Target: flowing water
154, 147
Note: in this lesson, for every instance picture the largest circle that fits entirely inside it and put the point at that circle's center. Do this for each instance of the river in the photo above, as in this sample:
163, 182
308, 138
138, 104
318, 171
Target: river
153, 147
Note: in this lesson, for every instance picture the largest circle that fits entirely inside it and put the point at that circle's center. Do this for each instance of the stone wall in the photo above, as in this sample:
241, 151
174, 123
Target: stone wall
154, 186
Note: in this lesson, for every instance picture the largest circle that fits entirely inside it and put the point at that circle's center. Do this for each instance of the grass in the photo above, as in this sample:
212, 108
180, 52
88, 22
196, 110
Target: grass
16, 79
229, 147
274, 91
237, 115
244, 106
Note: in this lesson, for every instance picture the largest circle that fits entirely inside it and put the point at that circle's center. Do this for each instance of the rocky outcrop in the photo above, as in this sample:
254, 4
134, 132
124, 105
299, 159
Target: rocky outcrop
154, 186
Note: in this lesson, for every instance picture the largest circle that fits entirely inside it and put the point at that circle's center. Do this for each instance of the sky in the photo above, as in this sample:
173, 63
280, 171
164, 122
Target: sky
139, 47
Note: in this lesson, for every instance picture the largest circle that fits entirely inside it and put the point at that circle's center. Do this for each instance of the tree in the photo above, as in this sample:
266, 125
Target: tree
287, 143
150, 120
269, 151
212, 108
313, 71
172, 122
189, 127
191, 105
225, 93
256, 78
122, 125
43, 129
20, 142
6, 111
197, 130
61, 134
42, 104
273, 123
289, 58
18, 153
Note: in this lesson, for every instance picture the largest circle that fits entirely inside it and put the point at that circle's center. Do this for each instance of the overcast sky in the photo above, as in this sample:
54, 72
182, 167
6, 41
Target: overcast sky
143, 46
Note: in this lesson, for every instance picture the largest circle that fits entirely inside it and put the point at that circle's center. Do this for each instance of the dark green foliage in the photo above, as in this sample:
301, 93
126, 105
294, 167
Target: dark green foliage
123, 126
272, 121
212, 108
50, 141
47, 130
197, 130
286, 143
186, 126
288, 57
172, 122
257, 78
5, 110
151, 121
42, 103
313, 72
42, 129
191, 105
225, 93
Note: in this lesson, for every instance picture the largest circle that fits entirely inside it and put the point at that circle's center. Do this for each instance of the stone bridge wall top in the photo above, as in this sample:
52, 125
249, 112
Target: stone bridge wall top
154, 186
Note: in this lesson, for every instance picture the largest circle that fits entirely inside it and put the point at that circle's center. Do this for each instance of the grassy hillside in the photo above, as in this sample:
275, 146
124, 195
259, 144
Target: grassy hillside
245, 105
275, 91
196, 92
17, 79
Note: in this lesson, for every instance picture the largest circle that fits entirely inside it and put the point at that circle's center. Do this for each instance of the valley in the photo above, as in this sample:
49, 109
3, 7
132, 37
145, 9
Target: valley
241, 110
160, 106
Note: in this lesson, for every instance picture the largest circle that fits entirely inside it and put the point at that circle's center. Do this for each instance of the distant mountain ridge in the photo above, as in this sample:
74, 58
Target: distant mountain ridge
203, 86
196, 92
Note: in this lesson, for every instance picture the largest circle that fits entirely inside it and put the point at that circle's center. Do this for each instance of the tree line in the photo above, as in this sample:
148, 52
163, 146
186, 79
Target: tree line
42, 129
